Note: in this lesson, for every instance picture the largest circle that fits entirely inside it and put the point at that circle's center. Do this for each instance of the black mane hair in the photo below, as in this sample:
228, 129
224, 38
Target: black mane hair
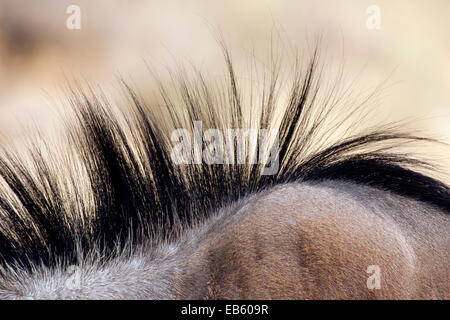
123, 186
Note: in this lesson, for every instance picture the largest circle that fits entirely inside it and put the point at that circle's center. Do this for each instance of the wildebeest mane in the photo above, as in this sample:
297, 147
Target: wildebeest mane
123, 186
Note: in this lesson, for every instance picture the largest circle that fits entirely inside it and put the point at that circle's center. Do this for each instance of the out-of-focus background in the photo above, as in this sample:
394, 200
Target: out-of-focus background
403, 44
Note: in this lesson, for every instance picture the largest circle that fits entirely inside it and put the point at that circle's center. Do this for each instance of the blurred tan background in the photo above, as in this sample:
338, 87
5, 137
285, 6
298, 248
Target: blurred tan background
410, 52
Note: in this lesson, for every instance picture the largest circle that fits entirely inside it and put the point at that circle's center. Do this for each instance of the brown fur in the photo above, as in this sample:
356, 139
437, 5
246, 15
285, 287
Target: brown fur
309, 242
